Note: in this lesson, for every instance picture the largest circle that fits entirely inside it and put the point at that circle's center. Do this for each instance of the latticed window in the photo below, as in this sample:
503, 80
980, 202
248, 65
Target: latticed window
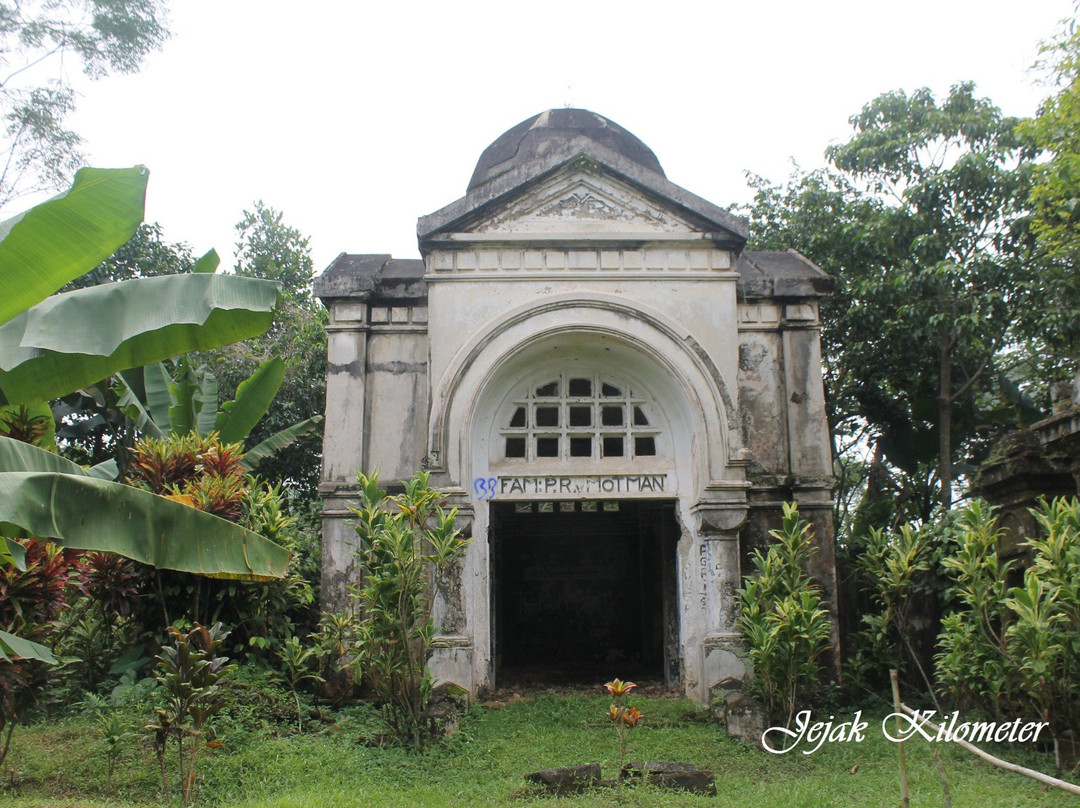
578, 416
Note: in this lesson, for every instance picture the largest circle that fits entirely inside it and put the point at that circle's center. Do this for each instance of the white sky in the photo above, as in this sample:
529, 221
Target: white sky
355, 118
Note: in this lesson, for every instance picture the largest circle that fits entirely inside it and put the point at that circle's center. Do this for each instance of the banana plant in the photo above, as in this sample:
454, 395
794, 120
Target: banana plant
55, 344
159, 403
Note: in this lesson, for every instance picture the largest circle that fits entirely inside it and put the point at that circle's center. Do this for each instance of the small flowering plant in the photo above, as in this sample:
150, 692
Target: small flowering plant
623, 717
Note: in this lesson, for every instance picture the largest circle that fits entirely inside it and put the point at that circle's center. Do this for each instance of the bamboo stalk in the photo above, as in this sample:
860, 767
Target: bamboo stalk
897, 706
1072, 788
944, 779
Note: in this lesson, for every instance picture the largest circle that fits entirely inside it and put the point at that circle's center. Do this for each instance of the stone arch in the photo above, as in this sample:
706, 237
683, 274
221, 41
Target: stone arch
664, 356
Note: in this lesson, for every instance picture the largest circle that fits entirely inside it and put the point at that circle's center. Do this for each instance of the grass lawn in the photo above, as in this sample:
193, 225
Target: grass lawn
60, 764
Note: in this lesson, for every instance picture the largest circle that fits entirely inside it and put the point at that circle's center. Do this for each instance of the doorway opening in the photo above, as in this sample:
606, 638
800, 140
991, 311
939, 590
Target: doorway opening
584, 591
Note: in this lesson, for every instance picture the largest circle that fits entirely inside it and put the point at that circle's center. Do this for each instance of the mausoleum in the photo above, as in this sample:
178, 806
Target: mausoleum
616, 395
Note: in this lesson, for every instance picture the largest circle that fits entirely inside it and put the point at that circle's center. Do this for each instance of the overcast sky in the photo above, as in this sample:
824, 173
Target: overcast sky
355, 118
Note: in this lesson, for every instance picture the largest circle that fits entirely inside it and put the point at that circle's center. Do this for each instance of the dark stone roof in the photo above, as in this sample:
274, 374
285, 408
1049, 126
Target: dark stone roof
372, 277
781, 274
534, 138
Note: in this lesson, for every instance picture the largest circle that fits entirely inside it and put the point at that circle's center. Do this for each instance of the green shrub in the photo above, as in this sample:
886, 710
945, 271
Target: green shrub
190, 673
404, 541
260, 615
783, 619
1016, 651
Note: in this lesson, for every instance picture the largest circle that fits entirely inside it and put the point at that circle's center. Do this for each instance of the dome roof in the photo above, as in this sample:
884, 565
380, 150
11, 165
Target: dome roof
535, 137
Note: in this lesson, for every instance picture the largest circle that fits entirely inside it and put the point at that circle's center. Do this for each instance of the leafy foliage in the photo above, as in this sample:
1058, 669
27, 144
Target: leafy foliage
31, 600
403, 540
1055, 195
158, 401
190, 673
296, 668
210, 475
1014, 651
269, 248
902, 571
783, 618
115, 734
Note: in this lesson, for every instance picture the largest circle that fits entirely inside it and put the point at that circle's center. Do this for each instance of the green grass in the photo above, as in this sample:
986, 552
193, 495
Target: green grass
61, 763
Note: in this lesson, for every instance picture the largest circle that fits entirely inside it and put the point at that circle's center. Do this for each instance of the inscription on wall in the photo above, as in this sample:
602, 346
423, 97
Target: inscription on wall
574, 486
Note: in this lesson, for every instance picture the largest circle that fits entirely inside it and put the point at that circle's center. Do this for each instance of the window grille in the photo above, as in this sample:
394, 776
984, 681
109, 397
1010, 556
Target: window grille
576, 416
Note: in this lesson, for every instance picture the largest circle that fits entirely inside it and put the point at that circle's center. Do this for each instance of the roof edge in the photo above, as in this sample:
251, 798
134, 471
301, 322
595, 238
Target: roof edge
764, 273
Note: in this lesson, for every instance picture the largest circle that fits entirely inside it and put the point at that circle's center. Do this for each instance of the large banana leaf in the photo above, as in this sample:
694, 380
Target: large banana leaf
254, 395
47, 496
12, 646
123, 325
157, 381
65, 237
279, 440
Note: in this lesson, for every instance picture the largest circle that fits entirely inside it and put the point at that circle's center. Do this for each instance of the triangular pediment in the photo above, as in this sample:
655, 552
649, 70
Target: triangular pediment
581, 190
582, 202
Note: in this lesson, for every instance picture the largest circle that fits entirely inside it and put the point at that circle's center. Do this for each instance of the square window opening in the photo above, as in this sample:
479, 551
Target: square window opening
581, 416
580, 387
613, 446
547, 416
581, 447
611, 416
547, 447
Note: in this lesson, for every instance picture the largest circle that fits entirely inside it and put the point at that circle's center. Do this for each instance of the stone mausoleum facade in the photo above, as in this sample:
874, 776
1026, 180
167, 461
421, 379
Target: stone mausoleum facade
615, 394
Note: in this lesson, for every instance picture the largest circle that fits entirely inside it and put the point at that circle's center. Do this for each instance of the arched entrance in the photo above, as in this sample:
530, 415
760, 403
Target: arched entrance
582, 527
543, 419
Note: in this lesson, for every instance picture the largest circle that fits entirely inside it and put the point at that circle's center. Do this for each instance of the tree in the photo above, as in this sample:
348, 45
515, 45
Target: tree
113, 327
104, 36
1055, 195
934, 262
268, 248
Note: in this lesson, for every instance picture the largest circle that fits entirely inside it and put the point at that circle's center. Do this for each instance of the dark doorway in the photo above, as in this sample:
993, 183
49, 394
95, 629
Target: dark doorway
584, 591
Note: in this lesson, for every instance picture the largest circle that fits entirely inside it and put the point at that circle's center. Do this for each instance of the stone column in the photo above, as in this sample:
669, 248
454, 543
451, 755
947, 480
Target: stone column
810, 449
343, 443
452, 653
722, 649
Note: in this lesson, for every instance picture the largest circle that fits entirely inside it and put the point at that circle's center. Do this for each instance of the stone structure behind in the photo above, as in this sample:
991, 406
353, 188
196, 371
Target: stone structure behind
1042, 461
615, 394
